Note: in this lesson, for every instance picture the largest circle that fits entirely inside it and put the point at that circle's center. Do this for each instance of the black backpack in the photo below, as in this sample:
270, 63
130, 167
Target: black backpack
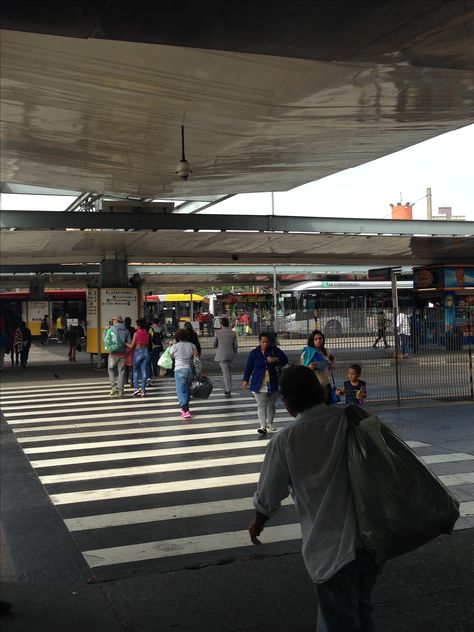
156, 338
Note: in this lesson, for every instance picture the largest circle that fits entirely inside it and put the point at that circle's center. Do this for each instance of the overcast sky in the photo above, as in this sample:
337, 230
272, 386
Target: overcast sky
444, 163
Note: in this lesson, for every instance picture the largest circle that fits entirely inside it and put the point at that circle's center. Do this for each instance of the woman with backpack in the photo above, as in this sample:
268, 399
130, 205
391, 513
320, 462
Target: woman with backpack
155, 347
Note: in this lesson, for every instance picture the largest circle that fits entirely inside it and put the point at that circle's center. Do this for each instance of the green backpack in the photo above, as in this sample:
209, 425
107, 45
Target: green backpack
112, 342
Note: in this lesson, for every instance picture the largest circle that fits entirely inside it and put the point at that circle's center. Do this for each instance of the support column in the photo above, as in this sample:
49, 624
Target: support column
37, 289
114, 273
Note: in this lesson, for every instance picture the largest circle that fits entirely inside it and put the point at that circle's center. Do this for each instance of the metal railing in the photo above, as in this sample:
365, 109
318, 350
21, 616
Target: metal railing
437, 364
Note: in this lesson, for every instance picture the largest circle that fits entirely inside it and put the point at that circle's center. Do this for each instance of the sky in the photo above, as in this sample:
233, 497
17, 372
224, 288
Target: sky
444, 163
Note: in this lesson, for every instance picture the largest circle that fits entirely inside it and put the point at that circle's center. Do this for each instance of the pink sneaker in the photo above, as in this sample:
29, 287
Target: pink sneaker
185, 414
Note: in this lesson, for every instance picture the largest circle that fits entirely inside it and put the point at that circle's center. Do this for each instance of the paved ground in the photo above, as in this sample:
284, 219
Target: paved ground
116, 516
431, 374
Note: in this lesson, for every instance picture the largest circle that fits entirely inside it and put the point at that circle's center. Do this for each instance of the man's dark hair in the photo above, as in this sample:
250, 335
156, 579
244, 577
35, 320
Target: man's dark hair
141, 322
357, 368
225, 321
300, 388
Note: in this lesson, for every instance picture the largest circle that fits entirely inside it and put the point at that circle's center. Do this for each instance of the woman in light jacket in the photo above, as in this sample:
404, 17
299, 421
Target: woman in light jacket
225, 341
262, 374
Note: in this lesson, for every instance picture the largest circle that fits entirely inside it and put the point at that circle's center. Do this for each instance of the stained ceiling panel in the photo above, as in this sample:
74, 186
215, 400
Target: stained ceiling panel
195, 247
104, 115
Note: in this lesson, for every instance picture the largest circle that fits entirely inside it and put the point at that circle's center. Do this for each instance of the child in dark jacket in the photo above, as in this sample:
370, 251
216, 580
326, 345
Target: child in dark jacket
354, 388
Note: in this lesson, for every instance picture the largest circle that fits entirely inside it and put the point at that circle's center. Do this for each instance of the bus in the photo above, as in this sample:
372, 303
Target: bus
174, 309
338, 307
17, 306
231, 303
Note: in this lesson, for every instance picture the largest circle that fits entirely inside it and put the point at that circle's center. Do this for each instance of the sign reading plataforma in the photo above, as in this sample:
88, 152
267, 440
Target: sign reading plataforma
121, 301
102, 306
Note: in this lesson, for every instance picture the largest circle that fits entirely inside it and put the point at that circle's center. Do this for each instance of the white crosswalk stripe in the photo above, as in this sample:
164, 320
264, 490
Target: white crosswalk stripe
137, 485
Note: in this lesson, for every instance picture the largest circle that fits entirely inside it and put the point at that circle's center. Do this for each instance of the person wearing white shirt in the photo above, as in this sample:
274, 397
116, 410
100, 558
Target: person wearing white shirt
403, 326
307, 459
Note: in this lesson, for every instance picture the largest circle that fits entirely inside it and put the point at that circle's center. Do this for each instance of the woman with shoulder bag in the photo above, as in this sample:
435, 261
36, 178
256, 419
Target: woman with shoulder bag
261, 377
183, 353
320, 360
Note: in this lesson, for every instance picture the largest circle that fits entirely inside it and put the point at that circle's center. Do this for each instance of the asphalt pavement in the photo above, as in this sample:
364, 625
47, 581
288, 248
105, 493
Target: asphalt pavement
51, 586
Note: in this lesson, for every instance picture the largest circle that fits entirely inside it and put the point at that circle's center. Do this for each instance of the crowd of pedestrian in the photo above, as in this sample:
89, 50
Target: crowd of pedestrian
304, 458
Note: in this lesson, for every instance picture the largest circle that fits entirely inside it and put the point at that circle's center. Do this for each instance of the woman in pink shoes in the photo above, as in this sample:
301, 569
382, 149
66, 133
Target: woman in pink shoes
183, 351
141, 357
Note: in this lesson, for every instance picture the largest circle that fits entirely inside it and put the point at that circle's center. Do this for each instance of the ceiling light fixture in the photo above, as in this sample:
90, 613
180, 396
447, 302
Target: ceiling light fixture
183, 170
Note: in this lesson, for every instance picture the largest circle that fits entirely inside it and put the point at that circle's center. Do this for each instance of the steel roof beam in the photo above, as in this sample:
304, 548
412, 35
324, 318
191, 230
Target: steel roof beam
34, 220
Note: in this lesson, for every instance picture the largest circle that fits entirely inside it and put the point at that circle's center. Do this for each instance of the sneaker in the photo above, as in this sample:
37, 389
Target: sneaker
114, 391
136, 392
272, 428
186, 414
262, 431
227, 393
142, 394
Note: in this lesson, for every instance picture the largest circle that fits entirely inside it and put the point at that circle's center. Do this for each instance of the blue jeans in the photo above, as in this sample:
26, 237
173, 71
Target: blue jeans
404, 343
345, 600
141, 362
183, 381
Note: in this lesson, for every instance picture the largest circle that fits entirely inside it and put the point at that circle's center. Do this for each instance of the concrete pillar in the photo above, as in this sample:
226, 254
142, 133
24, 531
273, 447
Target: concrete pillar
37, 289
114, 273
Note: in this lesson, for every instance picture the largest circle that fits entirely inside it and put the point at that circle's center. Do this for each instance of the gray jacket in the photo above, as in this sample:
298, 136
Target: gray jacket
226, 343
123, 333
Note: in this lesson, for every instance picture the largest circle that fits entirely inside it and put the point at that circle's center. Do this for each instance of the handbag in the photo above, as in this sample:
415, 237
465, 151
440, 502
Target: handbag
79, 347
201, 387
399, 503
166, 360
334, 399
196, 365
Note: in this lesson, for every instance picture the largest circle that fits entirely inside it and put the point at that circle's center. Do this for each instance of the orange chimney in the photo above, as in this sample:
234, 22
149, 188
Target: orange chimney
402, 211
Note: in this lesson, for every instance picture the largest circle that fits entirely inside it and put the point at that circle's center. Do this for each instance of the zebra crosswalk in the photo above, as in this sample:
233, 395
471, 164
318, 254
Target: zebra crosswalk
138, 488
